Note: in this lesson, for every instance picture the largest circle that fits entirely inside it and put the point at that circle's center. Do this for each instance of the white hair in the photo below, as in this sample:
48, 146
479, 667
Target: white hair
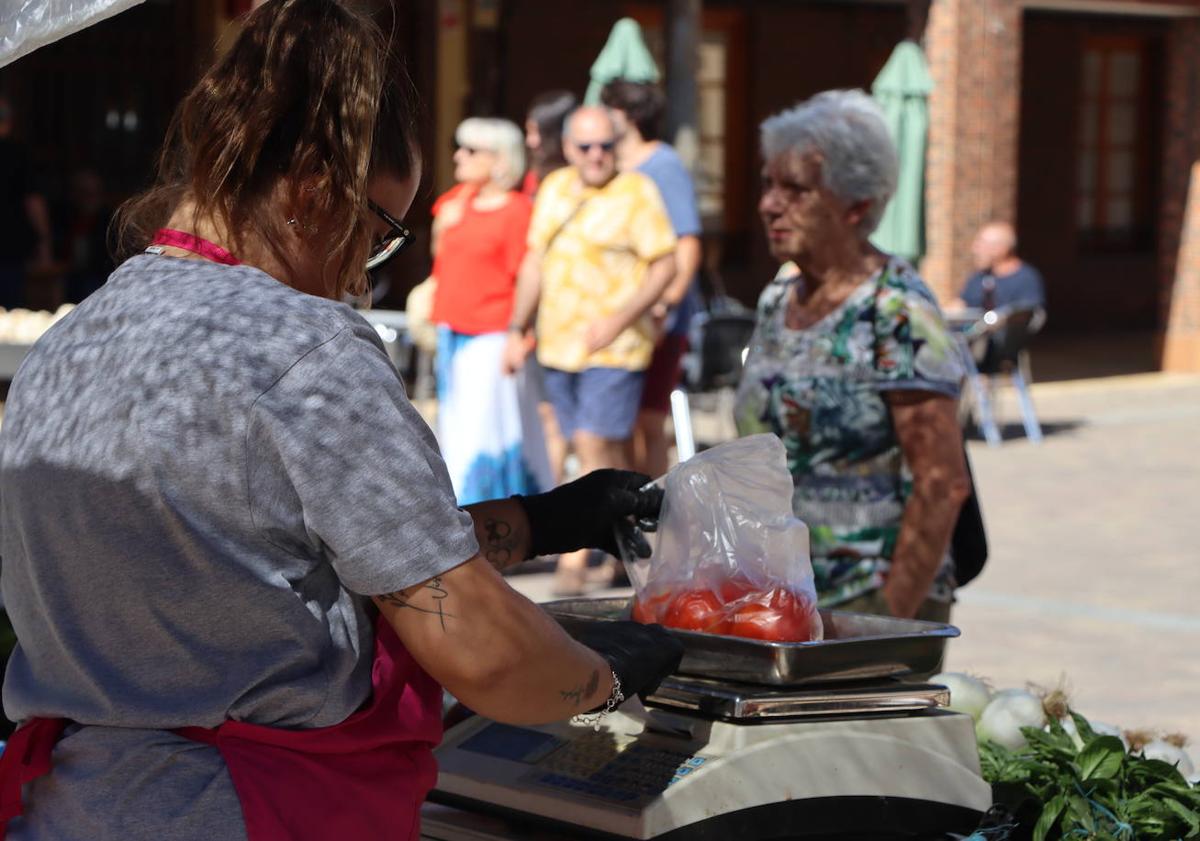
846, 130
500, 137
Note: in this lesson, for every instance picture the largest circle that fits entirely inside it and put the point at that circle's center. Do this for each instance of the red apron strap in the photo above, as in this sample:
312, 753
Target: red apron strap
27, 756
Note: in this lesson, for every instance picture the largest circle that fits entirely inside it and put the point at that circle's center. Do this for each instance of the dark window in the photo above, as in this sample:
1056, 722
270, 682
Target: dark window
1113, 211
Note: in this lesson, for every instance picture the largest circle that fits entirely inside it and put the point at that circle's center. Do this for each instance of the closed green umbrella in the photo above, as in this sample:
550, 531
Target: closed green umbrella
625, 56
902, 91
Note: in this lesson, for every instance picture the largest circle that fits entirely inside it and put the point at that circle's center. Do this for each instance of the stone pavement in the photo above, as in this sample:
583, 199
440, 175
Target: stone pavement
1095, 567
1094, 572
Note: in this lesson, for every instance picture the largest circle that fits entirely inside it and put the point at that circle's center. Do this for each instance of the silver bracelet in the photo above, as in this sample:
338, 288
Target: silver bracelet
614, 700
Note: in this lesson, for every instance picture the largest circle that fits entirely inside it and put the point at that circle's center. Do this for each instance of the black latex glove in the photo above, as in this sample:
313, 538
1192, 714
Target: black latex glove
583, 514
640, 655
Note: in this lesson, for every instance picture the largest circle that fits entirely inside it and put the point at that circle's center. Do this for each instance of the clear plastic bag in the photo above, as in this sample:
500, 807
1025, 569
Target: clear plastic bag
26, 25
729, 556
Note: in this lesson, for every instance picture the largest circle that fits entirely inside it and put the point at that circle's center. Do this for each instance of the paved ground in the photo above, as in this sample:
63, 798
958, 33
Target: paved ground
1095, 566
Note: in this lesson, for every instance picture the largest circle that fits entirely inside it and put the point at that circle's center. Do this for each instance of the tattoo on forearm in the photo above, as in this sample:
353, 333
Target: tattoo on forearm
403, 598
501, 543
579, 693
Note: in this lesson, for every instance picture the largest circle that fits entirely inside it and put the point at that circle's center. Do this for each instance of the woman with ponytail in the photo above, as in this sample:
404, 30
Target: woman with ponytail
231, 551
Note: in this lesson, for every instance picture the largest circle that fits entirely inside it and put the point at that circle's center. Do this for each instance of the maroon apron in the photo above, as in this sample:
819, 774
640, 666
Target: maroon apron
365, 778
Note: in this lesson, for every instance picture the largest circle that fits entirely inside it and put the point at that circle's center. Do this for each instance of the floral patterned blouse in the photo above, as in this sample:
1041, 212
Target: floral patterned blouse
821, 389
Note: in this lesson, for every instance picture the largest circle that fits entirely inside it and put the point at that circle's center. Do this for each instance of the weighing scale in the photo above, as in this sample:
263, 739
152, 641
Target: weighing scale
826, 742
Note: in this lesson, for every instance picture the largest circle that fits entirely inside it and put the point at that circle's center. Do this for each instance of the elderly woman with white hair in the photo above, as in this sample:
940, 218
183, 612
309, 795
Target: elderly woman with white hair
852, 366
488, 426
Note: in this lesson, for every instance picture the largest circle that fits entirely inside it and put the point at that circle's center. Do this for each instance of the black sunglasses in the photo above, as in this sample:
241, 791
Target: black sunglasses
396, 241
605, 147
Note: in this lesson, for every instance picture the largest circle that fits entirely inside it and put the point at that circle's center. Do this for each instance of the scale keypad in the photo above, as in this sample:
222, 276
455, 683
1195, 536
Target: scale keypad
623, 774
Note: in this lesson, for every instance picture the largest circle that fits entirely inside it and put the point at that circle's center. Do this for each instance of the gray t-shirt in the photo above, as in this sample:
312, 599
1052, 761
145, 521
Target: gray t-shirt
202, 474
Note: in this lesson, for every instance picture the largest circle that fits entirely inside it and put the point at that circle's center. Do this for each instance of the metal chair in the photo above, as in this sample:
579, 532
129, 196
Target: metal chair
997, 346
713, 365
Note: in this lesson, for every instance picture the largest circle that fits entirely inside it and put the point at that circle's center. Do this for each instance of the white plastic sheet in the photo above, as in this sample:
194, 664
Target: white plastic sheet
26, 25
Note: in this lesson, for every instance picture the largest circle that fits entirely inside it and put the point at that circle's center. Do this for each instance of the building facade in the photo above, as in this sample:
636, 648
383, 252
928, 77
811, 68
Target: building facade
1078, 120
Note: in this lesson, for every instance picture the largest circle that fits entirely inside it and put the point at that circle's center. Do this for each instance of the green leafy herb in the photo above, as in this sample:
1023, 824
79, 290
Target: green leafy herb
1096, 792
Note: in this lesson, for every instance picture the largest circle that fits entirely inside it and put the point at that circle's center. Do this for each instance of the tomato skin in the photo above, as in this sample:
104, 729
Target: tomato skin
736, 608
754, 621
648, 612
735, 588
779, 617
697, 610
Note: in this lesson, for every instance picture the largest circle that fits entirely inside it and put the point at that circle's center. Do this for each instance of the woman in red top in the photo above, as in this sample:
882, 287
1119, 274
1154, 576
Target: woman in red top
488, 425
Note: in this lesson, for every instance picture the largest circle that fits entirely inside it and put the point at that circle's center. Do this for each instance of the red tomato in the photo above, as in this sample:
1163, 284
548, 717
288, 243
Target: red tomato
754, 621
648, 612
780, 617
698, 610
732, 589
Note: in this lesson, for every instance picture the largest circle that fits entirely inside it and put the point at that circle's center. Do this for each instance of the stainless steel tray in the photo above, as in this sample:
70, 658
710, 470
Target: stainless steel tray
857, 646
735, 702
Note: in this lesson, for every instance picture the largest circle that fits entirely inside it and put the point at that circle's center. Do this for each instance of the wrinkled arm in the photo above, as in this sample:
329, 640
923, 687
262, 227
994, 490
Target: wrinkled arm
687, 263
604, 331
659, 275
493, 649
525, 302
927, 428
529, 289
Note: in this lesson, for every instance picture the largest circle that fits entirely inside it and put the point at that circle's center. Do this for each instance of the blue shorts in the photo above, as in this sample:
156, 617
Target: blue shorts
600, 401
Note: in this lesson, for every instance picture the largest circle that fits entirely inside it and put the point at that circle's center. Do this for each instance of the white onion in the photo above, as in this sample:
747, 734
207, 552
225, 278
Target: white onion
1005, 715
1100, 728
1170, 754
967, 694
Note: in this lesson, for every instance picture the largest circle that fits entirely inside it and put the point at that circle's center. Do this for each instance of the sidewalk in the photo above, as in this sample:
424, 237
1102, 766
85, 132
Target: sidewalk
1094, 571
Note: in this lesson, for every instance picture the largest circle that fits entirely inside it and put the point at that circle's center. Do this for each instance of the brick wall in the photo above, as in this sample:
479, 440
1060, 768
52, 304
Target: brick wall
974, 50
1180, 214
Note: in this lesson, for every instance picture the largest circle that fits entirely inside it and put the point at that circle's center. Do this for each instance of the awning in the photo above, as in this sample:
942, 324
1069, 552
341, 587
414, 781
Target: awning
902, 91
625, 56
26, 25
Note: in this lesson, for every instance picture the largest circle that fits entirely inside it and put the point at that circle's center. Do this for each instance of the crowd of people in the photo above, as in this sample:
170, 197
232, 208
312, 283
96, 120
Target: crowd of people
567, 287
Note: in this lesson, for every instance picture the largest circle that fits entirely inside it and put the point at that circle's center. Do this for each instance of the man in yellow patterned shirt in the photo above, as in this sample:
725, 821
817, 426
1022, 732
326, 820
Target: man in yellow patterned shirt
601, 255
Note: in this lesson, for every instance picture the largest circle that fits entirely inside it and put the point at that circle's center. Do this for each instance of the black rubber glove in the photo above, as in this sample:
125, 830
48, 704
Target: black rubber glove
583, 514
640, 655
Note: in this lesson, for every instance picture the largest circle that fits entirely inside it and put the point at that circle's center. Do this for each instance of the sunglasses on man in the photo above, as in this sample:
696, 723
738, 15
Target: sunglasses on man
606, 147
395, 241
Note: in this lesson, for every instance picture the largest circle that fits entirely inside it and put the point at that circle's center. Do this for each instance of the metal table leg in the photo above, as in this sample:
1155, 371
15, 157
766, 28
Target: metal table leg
1033, 430
982, 399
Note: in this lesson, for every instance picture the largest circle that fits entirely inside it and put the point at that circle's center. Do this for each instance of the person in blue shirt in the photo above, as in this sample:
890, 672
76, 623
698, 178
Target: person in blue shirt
1002, 279
637, 111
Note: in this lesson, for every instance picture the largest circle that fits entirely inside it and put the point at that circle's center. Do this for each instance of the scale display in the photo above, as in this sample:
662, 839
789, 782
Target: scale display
592, 764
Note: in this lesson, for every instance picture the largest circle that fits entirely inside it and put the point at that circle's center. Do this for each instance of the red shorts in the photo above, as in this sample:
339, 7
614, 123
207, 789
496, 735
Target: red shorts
663, 374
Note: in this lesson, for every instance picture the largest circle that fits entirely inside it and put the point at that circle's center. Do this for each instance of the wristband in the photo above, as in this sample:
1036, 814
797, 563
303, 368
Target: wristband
615, 698
516, 328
